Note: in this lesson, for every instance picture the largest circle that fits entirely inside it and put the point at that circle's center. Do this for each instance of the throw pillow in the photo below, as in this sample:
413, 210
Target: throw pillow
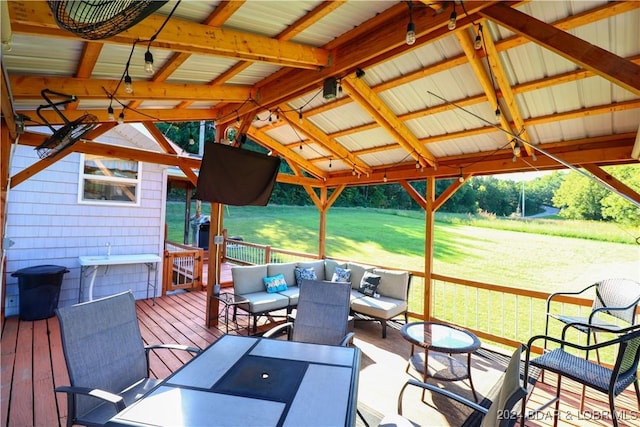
275, 283
341, 275
369, 284
304, 274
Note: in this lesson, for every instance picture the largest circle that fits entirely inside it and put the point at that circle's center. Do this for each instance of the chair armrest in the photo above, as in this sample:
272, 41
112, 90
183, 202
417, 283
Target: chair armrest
347, 341
443, 392
112, 398
557, 294
190, 349
278, 330
563, 342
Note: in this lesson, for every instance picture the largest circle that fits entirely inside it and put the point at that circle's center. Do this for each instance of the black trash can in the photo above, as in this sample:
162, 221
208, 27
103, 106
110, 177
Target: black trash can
203, 235
39, 290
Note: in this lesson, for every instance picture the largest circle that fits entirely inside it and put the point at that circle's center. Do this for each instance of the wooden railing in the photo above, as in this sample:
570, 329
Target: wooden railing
499, 314
182, 267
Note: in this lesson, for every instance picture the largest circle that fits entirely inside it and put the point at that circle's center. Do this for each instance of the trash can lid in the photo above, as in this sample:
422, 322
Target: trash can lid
40, 269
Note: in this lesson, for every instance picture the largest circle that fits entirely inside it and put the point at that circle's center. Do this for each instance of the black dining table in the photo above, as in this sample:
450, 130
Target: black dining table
252, 381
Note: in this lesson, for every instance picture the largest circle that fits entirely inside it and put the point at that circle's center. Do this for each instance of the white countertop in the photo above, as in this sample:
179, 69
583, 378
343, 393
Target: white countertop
117, 259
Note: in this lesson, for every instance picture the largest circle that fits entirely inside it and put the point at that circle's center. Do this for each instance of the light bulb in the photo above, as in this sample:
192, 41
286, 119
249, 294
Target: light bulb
385, 178
121, 118
452, 20
192, 141
148, 62
497, 113
461, 178
410, 38
516, 150
110, 113
128, 86
478, 43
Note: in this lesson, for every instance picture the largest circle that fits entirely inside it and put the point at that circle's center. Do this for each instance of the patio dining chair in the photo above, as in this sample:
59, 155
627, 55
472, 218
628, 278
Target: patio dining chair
499, 414
322, 314
568, 361
106, 359
615, 299
614, 306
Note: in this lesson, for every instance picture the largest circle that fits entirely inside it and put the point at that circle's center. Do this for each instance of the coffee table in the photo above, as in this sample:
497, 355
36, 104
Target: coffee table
442, 338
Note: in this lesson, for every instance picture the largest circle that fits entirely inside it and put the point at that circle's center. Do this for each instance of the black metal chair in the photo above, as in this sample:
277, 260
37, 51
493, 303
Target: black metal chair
499, 414
611, 381
107, 361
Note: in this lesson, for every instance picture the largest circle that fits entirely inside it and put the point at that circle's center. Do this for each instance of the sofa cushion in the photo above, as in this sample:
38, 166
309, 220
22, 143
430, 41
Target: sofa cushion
369, 284
393, 283
330, 266
292, 292
262, 301
248, 279
341, 275
381, 308
318, 267
357, 271
301, 273
275, 283
286, 269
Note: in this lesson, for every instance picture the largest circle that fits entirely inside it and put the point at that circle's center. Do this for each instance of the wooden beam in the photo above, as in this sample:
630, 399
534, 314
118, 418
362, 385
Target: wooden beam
29, 87
168, 148
362, 94
284, 151
35, 17
131, 116
322, 139
602, 62
6, 104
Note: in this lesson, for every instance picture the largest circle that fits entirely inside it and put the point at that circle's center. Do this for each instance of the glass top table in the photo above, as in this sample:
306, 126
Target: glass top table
441, 338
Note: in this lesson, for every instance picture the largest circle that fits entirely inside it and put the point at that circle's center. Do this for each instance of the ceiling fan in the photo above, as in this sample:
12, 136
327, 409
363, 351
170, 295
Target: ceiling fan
67, 135
99, 19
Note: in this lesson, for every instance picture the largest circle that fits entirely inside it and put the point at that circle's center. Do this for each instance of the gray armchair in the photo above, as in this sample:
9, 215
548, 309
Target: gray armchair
322, 315
106, 359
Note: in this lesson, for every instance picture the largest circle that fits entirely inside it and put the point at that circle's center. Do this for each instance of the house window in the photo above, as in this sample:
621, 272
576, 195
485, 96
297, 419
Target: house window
109, 181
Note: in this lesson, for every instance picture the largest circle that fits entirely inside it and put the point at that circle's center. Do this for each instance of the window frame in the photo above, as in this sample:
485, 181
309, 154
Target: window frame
83, 177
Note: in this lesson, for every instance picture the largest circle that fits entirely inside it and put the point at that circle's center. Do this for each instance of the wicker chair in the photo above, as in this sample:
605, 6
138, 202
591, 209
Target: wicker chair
106, 358
611, 381
618, 298
499, 414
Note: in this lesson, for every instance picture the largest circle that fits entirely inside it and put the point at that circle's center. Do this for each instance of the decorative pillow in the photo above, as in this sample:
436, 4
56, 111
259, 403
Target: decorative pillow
304, 274
275, 283
369, 284
341, 275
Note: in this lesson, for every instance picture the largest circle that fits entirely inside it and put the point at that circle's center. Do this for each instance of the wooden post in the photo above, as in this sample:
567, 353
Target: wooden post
215, 259
428, 245
322, 232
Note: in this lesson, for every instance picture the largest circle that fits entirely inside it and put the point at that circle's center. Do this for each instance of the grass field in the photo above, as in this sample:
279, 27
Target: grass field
536, 254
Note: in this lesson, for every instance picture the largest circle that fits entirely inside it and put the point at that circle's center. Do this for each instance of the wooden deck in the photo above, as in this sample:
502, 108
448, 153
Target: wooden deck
33, 364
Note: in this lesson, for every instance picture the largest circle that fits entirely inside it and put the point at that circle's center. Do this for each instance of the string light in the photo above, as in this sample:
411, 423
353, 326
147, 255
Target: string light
478, 43
121, 118
452, 18
384, 178
148, 61
410, 37
110, 113
128, 84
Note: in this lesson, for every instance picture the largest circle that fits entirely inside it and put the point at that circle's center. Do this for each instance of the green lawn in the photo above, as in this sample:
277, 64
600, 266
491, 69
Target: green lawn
533, 254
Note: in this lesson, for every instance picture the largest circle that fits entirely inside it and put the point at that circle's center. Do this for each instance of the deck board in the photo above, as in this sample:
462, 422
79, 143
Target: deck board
33, 364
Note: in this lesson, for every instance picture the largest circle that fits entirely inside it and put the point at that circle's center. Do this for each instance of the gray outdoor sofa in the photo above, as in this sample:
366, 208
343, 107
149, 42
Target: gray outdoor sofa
389, 301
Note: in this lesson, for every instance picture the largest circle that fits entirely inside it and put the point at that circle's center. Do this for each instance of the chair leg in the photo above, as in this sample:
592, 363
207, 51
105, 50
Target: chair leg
556, 412
384, 328
362, 417
612, 407
637, 387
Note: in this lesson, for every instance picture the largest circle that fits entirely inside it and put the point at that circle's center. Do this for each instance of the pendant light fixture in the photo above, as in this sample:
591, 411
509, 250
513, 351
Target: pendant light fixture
452, 18
410, 37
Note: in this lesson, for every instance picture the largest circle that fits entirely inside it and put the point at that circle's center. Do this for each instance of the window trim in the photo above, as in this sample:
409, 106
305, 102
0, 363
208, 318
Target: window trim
82, 178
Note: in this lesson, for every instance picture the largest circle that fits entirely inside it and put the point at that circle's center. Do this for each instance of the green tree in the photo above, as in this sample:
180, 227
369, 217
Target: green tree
617, 207
579, 197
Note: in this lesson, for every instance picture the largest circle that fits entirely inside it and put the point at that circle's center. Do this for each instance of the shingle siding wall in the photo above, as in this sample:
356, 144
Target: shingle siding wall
49, 226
